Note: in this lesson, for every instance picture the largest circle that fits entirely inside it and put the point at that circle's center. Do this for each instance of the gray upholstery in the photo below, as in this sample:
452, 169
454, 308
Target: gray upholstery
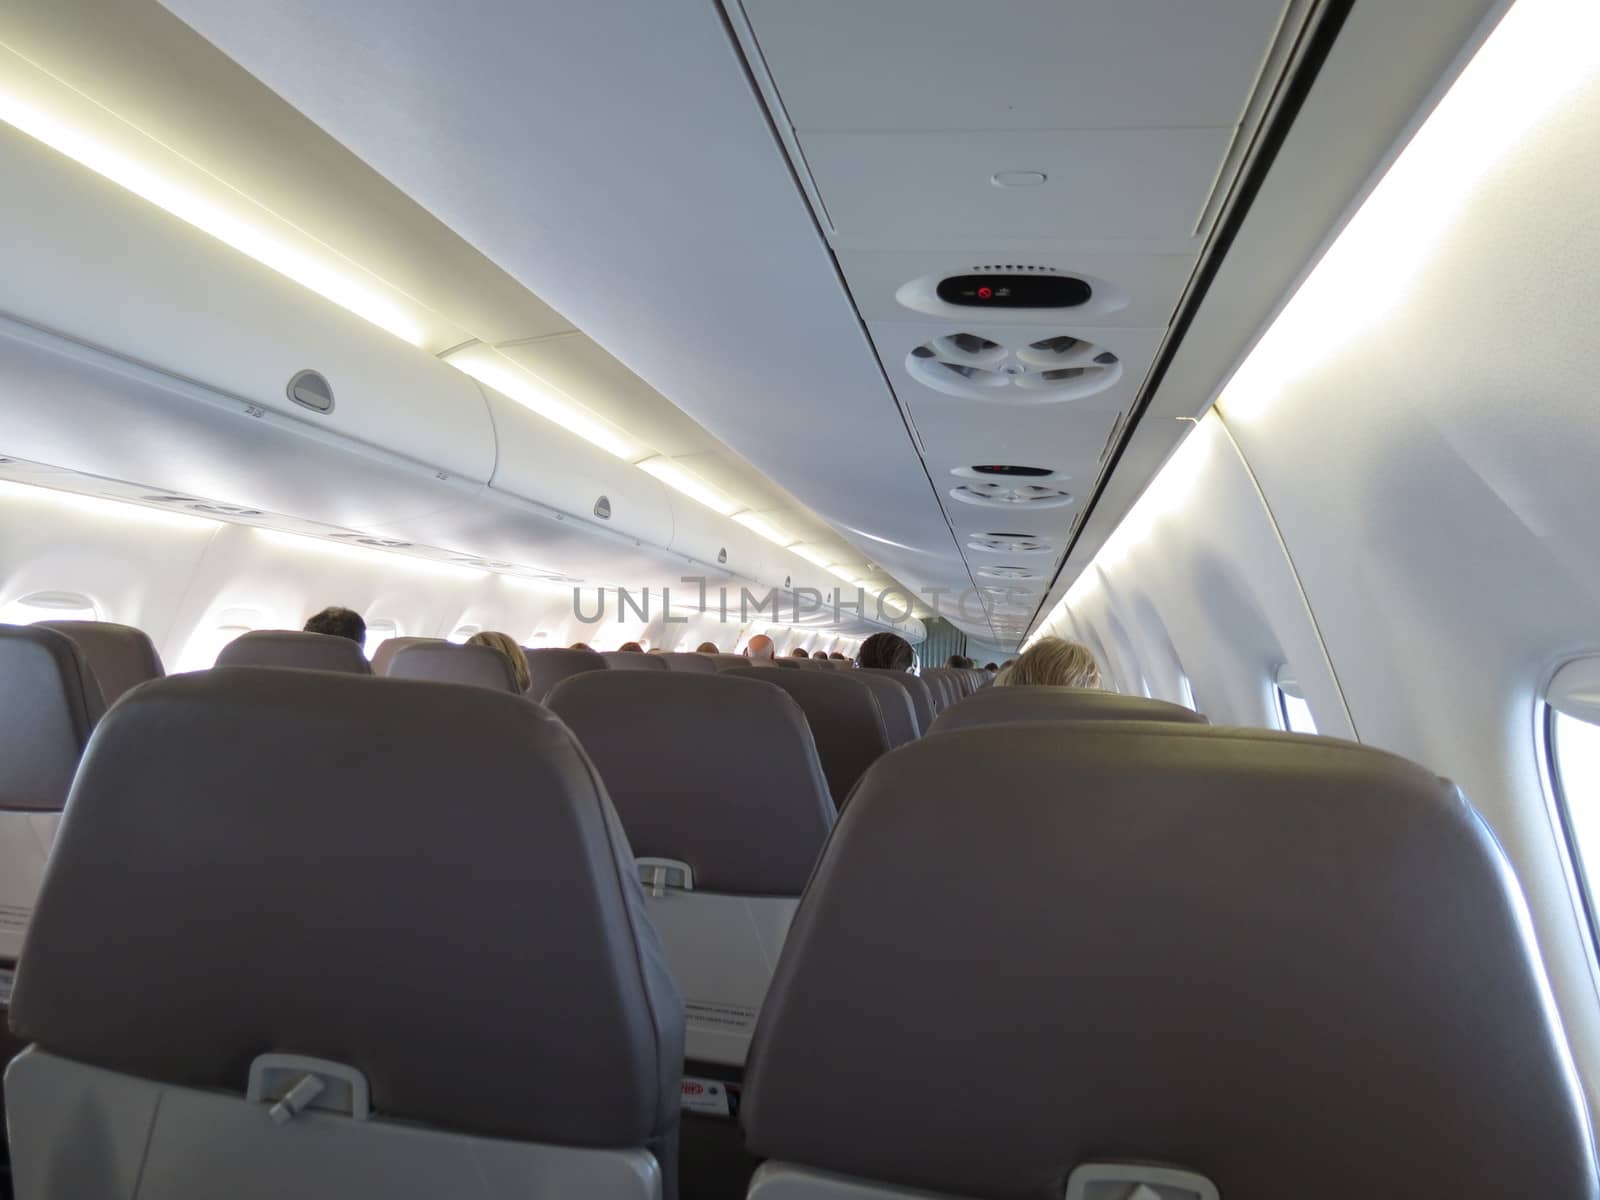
894, 701
921, 695
695, 664
120, 656
454, 913
444, 662
549, 665
1005, 705
383, 656
1298, 966
944, 688
291, 648
633, 660
721, 774
846, 722
729, 662
49, 703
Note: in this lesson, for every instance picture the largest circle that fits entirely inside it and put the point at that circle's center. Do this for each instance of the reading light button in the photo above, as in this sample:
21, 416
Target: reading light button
1018, 179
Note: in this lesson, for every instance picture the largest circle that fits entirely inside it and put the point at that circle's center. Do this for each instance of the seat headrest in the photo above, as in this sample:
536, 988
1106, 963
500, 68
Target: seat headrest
455, 916
1006, 705
1293, 965
445, 662
291, 648
549, 665
49, 703
846, 722
383, 656
921, 693
899, 714
718, 773
698, 664
633, 660
120, 656
732, 662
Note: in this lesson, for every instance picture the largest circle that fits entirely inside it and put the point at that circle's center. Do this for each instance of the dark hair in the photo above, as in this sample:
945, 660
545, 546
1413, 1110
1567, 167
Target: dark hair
959, 661
887, 650
991, 666
339, 622
840, 657
799, 652
578, 646
632, 646
707, 648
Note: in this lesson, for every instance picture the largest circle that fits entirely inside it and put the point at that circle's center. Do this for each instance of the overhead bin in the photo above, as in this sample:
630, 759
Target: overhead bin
88, 260
542, 462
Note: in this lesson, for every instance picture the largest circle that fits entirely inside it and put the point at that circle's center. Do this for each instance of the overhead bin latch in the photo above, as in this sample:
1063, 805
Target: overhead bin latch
659, 874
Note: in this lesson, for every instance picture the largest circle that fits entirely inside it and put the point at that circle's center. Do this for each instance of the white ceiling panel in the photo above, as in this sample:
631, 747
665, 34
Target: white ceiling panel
1104, 184
1013, 64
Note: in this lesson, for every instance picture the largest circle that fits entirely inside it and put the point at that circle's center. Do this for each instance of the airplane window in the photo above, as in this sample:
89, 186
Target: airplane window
1186, 692
461, 633
49, 606
1572, 750
201, 652
379, 632
1293, 712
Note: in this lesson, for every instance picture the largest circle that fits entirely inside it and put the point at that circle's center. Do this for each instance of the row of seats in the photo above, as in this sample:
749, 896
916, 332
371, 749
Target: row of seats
1035, 957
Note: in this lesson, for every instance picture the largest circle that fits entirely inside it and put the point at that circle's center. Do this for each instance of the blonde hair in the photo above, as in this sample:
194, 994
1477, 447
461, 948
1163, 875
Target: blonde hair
1055, 662
506, 645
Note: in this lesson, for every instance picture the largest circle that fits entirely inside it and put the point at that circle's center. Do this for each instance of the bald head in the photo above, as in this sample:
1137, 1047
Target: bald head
761, 647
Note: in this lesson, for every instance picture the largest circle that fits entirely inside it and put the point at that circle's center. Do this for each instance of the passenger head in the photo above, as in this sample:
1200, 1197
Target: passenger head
339, 622
837, 655
631, 647
760, 648
959, 661
889, 651
578, 646
1054, 662
798, 652
707, 648
991, 667
505, 644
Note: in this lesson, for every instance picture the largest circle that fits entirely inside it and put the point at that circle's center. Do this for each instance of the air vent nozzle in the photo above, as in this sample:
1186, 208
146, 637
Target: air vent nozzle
1000, 495
1009, 543
1045, 371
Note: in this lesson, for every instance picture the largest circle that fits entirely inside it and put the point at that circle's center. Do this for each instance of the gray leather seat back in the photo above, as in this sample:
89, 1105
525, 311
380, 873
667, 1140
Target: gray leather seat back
729, 662
1293, 965
946, 685
296, 650
718, 785
445, 662
894, 701
121, 656
921, 695
1006, 705
384, 655
549, 665
694, 664
49, 705
846, 722
633, 660
455, 918
718, 773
